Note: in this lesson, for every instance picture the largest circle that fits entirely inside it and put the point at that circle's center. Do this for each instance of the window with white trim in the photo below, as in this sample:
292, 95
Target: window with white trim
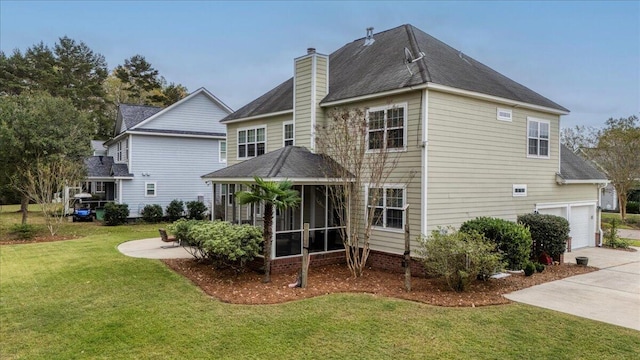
125, 155
386, 127
287, 133
251, 142
119, 151
222, 156
537, 138
232, 192
99, 187
387, 204
149, 189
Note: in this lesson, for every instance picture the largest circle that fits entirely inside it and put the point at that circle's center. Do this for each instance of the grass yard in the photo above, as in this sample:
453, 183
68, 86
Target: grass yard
83, 299
632, 221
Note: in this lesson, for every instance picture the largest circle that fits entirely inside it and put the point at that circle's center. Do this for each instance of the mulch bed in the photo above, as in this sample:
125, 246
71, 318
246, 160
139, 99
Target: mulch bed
247, 288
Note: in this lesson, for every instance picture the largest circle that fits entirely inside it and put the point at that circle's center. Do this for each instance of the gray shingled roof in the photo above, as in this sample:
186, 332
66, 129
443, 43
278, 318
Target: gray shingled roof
104, 167
356, 70
573, 167
289, 162
132, 115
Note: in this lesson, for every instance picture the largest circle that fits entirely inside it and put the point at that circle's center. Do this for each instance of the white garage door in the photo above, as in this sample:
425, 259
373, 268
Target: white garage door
580, 223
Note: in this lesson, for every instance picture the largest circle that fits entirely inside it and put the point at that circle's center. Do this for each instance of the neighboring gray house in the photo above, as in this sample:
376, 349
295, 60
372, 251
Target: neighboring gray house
157, 155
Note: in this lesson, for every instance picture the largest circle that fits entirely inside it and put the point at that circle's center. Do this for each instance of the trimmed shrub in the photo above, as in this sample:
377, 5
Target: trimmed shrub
181, 230
152, 213
115, 214
549, 233
540, 267
529, 268
459, 257
23, 231
219, 242
633, 207
175, 210
196, 210
514, 240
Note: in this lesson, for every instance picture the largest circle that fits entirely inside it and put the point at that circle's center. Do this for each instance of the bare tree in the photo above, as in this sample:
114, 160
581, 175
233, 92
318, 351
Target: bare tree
46, 179
345, 138
579, 137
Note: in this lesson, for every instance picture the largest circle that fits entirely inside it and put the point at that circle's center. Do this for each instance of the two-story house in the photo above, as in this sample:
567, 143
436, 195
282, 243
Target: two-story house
158, 154
472, 141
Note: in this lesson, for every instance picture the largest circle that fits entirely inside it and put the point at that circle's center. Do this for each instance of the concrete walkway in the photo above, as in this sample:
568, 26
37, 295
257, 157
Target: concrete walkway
610, 295
153, 249
629, 234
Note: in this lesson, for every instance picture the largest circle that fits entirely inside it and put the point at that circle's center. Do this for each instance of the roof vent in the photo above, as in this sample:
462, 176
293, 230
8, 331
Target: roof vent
369, 39
311, 50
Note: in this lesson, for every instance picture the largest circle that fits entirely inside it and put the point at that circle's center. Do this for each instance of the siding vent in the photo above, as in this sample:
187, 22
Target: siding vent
369, 39
519, 190
504, 114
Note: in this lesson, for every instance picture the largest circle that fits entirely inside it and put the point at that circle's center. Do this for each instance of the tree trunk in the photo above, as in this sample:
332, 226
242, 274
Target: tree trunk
268, 222
622, 203
24, 208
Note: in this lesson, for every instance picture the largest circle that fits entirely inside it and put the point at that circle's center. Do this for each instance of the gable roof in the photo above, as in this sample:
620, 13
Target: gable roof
574, 168
356, 70
289, 162
134, 116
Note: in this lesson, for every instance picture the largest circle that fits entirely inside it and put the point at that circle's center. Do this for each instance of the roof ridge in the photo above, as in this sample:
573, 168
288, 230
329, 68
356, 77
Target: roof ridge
280, 162
413, 42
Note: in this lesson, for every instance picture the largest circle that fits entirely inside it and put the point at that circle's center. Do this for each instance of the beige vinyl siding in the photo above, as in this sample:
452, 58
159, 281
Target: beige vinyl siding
322, 68
406, 173
274, 135
474, 160
302, 101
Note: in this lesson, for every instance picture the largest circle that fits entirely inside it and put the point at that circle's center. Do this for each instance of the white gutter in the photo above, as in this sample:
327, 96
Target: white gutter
315, 181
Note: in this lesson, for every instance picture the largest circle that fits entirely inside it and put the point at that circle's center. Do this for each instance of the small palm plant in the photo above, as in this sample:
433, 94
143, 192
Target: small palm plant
273, 194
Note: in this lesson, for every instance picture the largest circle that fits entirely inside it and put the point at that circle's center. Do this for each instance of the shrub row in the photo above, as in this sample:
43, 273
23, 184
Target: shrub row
219, 242
115, 214
633, 207
549, 233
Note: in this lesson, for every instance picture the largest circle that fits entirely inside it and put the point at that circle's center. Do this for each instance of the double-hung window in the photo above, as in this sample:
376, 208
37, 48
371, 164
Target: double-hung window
537, 138
386, 205
386, 127
223, 151
149, 189
99, 187
287, 133
251, 142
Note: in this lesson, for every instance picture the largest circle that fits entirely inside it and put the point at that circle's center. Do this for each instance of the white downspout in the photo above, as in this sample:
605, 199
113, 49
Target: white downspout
423, 182
599, 214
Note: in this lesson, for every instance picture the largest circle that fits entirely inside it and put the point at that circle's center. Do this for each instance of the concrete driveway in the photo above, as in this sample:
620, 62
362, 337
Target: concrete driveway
610, 295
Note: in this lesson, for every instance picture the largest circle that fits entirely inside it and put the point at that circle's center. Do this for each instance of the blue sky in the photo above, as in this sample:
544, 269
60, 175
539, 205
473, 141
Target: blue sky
584, 55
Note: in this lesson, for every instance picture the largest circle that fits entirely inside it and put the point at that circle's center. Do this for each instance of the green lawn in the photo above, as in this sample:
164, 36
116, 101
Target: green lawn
632, 221
83, 299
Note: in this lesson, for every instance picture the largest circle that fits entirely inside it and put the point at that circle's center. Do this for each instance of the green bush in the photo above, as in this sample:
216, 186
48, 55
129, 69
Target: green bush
611, 238
181, 230
514, 240
548, 232
115, 214
175, 210
225, 244
529, 268
540, 267
197, 210
23, 231
152, 213
459, 257
633, 207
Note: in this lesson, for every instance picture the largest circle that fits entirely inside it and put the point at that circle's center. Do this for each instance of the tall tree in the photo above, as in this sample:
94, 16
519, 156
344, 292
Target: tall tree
272, 194
346, 139
618, 153
38, 128
138, 77
579, 137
